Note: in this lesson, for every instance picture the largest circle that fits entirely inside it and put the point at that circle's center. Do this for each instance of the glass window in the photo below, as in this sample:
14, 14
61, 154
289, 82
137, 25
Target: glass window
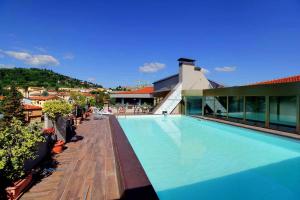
209, 107
236, 107
221, 106
283, 110
255, 108
194, 105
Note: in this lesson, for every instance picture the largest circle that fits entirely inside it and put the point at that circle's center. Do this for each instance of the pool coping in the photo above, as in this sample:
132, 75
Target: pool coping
132, 179
256, 128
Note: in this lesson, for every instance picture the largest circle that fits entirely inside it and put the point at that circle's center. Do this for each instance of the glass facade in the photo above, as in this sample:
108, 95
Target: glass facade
283, 110
209, 107
256, 108
221, 106
236, 107
193, 105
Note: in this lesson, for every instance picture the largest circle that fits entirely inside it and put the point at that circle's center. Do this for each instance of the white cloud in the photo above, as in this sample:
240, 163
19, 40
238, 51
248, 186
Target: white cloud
6, 66
205, 71
151, 67
32, 59
69, 56
225, 69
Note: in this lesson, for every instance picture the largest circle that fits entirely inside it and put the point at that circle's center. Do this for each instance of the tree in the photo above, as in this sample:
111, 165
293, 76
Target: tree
56, 108
99, 101
18, 143
12, 106
78, 99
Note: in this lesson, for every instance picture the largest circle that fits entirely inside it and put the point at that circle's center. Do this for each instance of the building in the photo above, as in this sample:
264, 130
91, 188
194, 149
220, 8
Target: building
134, 97
40, 100
182, 92
273, 104
32, 113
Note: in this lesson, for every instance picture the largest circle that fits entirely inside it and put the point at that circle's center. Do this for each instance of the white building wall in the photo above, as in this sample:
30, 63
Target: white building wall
192, 79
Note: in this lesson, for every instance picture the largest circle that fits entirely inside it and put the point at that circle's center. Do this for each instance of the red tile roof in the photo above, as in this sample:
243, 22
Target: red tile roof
86, 94
289, 79
31, 107
144, 90
42, 98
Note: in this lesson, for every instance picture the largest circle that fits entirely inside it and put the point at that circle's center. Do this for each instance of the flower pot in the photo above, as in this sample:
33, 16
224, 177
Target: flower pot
78, 120
58, 147
48, 131
15, 191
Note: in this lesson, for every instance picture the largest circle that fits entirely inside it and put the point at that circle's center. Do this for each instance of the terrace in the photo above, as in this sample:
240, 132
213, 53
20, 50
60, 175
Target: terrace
85, 170
100, 166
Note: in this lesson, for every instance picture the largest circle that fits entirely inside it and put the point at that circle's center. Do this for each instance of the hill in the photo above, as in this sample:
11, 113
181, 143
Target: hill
26, 77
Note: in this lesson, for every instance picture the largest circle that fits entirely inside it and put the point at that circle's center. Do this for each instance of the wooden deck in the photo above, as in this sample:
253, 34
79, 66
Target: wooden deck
86, 169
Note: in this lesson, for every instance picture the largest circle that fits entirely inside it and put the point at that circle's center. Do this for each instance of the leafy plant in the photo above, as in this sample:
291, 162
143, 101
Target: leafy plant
78, 99
18, 143
56, 108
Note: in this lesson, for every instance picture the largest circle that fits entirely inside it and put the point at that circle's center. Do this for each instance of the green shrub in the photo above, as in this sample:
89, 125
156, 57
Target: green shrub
57, 108
18, 143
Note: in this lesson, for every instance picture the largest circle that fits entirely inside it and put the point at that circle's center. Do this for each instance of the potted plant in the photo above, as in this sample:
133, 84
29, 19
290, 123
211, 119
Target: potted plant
18, 144
56, 109
58, 147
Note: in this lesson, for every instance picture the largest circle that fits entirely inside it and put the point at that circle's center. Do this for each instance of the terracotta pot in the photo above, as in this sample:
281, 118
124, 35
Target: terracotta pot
15, 191
79, 120
58, 147
49, 131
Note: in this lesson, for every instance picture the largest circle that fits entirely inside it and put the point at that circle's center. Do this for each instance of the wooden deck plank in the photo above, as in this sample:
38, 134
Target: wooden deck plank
86, 169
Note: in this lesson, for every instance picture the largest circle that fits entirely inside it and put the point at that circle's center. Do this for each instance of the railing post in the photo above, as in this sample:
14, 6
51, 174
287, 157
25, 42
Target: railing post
214, 114
227, 106
298, 114
185, 104
244, 108
203, 105
267, 112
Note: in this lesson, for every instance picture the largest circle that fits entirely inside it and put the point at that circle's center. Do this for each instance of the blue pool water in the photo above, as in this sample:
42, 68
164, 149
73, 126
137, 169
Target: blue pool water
188, 158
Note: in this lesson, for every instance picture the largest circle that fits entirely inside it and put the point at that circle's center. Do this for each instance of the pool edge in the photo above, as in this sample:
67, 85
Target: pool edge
132, 179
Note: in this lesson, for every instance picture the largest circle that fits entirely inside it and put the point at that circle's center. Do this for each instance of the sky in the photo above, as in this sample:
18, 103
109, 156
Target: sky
120, 42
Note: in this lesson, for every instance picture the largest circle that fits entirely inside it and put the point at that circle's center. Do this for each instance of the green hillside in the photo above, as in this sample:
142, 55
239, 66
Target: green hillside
26, 77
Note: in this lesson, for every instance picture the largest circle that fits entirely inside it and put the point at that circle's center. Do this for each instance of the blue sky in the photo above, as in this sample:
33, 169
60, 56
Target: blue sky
123, 42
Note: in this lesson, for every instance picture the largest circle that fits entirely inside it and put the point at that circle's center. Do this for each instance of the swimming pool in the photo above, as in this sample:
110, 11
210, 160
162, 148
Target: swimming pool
188, 158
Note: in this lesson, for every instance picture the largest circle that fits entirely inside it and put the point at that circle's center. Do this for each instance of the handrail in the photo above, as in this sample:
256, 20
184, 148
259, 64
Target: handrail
166, 97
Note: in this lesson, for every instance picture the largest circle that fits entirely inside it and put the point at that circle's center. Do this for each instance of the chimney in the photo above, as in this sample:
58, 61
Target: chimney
186, 61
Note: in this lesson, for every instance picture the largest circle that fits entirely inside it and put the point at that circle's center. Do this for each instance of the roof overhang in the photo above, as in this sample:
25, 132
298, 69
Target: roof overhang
192, 92
284, 89
131, 95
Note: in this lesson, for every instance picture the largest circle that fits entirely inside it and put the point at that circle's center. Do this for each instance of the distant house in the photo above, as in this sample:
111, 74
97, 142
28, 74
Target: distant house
32, 113
40, 100
135, 97
64, 95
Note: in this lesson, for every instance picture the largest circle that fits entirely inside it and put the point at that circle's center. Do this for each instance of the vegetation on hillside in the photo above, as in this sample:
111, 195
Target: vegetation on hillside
34, 77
